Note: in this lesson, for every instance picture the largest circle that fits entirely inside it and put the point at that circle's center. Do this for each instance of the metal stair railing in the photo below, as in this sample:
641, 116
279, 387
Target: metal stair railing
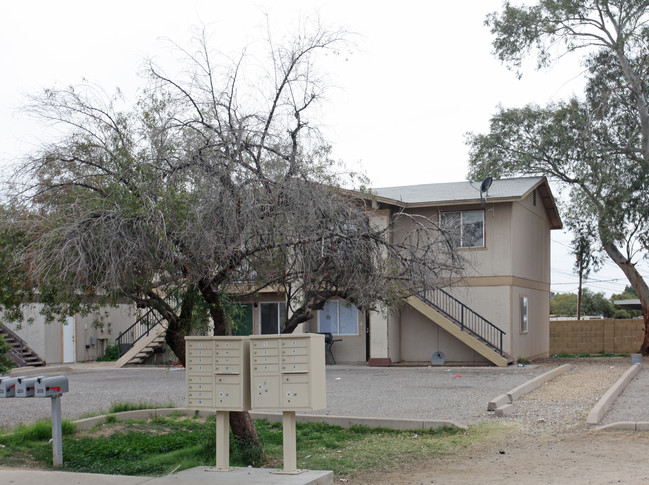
463, 316
141, 328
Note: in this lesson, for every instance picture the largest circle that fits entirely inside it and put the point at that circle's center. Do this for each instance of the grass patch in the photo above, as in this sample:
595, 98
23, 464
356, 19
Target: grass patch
172, 443
586, 355
123, 406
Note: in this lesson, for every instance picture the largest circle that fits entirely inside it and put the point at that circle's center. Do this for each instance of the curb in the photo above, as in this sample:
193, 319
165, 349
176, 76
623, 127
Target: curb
607, 400
503, 404
626, 425
343, 421
347, 421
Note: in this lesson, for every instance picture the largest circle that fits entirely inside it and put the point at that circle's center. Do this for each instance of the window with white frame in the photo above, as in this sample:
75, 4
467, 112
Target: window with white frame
338, 318
524, 315
272, 317
466, 228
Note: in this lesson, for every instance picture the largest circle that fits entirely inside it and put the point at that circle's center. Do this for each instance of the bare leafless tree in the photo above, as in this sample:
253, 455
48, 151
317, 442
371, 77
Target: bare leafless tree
216, 185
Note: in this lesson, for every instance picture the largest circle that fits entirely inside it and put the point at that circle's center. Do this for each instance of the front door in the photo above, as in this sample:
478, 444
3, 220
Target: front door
243, 324
69, 349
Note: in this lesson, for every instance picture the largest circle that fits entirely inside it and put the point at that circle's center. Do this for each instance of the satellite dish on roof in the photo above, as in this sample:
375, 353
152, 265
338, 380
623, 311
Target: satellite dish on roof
486, 183
484, 188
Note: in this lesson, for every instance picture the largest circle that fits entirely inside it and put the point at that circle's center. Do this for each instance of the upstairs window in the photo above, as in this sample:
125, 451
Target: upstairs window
338, 318
466, 228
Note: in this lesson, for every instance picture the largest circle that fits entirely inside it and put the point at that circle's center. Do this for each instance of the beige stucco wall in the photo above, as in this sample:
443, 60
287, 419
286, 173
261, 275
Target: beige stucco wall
420, 338
515, 261
351, 348
536, 341
47, 339
492, 303
116, 320
594, 336
530, 241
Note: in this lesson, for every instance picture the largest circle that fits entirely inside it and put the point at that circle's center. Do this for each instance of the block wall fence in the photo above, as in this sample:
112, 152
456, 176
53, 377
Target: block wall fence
594, 336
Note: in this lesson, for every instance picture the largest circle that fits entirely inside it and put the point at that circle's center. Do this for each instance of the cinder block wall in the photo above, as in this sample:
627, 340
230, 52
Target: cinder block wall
594, 336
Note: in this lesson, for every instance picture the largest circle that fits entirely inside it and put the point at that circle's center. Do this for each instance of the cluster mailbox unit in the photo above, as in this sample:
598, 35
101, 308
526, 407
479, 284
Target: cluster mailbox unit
287, 372
262, 372
218, 375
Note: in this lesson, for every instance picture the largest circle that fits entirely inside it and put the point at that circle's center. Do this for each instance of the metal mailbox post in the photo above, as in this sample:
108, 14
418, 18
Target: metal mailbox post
52, 387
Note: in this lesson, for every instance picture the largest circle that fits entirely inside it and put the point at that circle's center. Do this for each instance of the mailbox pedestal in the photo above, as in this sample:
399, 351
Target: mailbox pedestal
218, 378
288, 375
266, 372
52, 387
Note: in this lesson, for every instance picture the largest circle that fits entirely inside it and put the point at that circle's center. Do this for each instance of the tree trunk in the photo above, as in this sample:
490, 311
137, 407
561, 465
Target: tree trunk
638, 283
242, 425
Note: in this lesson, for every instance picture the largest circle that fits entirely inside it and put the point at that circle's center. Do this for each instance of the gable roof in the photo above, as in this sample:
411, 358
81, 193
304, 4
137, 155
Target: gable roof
468, 192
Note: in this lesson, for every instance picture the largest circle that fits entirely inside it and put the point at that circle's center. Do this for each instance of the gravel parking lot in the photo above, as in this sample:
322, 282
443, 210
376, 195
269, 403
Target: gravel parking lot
457, 393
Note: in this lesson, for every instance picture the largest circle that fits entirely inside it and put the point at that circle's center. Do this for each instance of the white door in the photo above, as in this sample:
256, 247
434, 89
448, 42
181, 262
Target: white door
69, 354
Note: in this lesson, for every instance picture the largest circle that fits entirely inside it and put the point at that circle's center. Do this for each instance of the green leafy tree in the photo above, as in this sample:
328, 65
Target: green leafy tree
628, 294
593, 304
596, 146
563, 305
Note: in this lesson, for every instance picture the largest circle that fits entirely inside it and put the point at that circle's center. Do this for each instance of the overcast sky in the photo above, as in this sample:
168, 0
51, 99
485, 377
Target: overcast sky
421, 76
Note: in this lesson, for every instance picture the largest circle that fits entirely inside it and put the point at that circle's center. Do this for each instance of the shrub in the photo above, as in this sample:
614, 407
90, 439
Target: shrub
112, 353
5, 361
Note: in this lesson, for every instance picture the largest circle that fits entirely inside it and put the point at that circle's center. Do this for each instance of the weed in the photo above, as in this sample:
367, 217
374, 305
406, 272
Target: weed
123, 406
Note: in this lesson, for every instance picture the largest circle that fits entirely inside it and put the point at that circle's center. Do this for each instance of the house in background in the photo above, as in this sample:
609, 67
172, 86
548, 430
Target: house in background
497, 313
77, 339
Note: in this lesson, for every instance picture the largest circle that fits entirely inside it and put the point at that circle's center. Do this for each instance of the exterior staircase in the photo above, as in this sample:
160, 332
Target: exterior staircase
463, 323
141, 339
21, 354
144, 347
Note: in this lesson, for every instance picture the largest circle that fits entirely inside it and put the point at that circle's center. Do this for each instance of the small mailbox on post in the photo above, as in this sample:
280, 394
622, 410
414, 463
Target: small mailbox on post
25, 386
8, 386
50, 386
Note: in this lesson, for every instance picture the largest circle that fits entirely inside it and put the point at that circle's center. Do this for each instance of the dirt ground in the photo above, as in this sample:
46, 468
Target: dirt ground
548, 443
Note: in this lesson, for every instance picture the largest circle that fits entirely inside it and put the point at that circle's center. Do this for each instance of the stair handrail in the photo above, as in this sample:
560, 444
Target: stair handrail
467, 319
14, 353
141, 328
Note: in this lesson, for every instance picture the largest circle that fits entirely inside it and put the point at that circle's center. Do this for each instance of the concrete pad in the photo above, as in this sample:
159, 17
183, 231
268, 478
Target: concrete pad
498, 402
607, 400
197, 476
34, 477
40, 371
206, 475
